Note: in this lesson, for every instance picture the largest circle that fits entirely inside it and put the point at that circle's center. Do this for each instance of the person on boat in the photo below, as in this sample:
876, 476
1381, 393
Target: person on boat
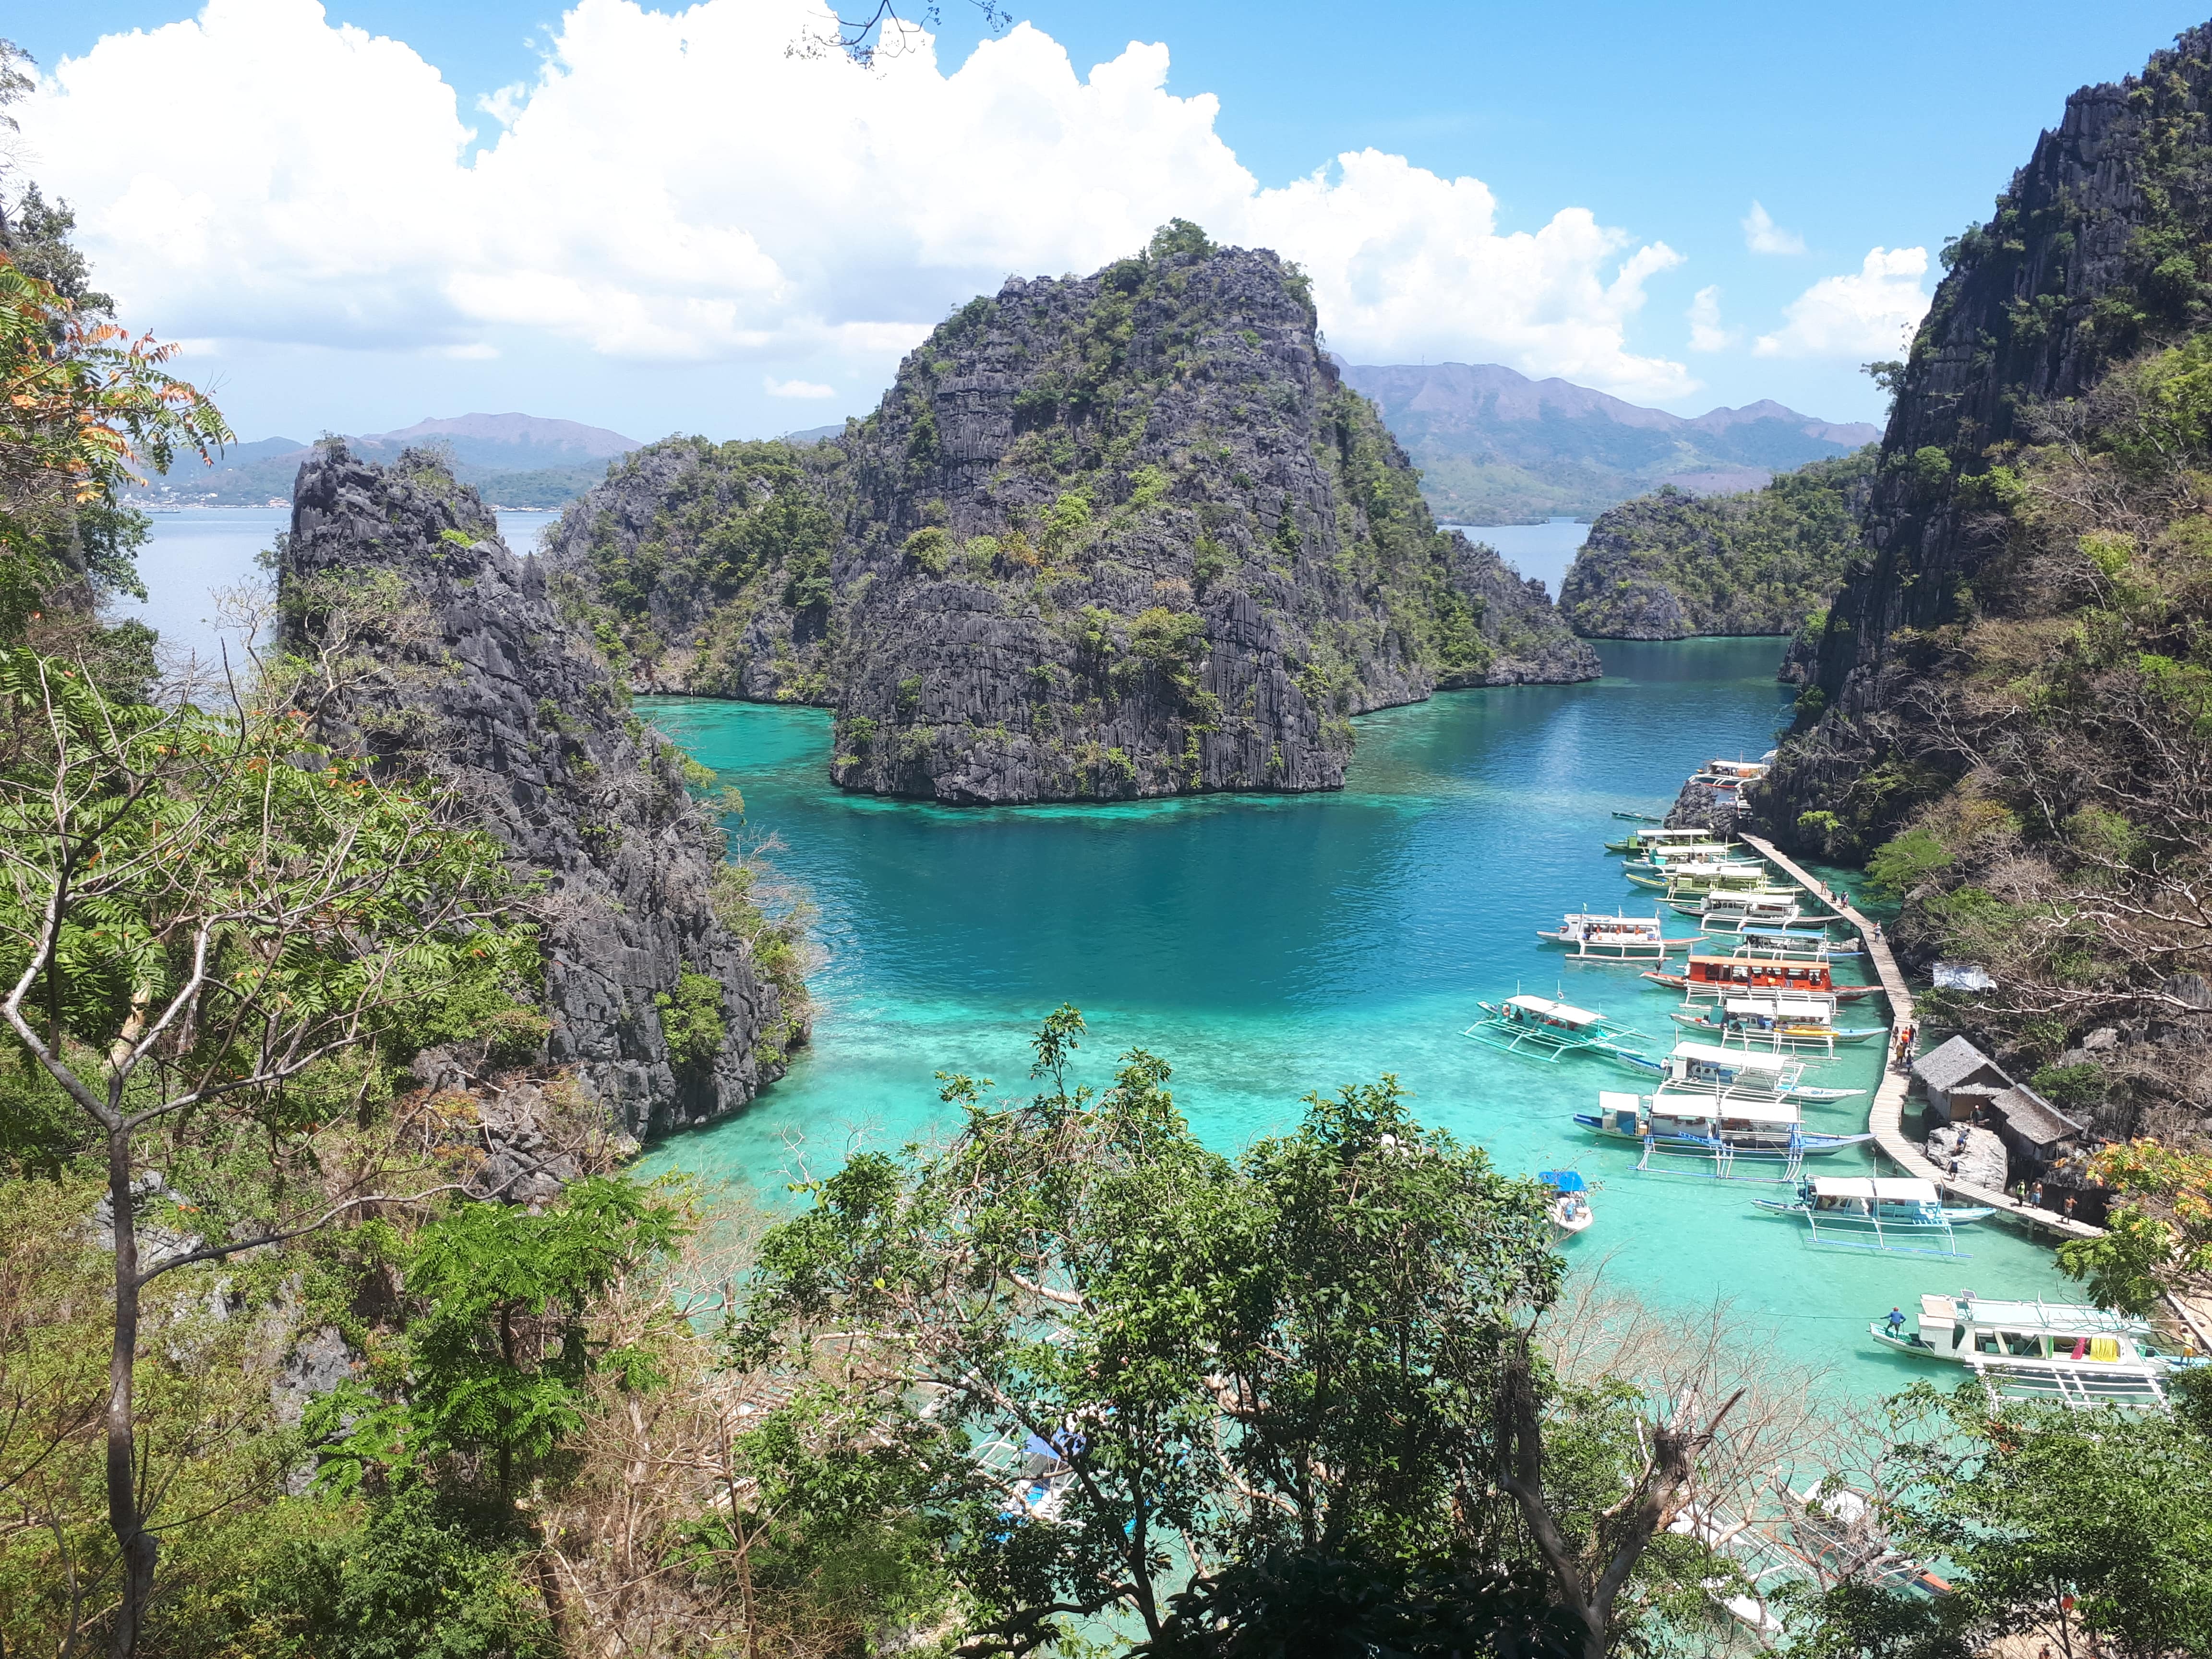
1896, 1321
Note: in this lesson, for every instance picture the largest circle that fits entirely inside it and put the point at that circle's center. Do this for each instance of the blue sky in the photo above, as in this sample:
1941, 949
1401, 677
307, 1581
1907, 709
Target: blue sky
1622, 148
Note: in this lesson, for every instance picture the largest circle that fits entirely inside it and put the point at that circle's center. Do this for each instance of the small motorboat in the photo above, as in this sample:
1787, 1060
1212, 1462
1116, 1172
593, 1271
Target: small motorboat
1570, 1208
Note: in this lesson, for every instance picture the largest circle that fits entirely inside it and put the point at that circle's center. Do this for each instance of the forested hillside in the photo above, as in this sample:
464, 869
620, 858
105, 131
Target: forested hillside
1670, 565
2007, 707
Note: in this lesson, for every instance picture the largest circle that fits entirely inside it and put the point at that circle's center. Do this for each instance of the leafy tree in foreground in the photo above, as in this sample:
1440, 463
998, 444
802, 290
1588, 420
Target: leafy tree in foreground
1287, 1361
195, 911
2158, 1238
2088, 1532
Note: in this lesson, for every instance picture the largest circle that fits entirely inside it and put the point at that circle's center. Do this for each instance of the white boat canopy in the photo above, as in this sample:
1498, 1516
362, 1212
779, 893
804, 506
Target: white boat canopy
1713, 1108
1889, 1189
1545, 1008
1798, 1007
1712, 1054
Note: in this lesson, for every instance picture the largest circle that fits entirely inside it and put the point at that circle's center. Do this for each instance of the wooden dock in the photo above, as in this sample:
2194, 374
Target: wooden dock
1886, 1121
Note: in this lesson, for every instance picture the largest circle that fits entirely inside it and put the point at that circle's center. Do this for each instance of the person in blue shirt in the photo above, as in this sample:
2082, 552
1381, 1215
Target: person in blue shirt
1896, 1321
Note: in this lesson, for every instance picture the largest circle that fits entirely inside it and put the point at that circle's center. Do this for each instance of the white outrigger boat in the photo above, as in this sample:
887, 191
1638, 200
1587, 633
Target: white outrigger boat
1797, 1023
1570, 1208
1733, 912
1615, 938
1796, 942
1701, 876
1718, 1126
2070, 1353
1878, 1212
1525, 1025
1642, 840
1743, 1072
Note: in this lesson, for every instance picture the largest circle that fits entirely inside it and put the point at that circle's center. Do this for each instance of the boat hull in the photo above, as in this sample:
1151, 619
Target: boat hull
1752, 1146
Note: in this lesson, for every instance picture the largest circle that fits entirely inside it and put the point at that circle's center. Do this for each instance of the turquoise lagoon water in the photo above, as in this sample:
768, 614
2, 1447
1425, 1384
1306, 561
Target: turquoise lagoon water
1268, 946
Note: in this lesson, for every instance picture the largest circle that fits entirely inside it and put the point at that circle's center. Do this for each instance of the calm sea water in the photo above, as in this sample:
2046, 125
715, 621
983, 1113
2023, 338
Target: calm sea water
1268, 947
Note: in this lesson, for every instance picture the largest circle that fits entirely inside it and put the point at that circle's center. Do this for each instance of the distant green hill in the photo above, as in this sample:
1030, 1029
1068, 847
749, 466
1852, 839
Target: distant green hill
512, 461
1498, 447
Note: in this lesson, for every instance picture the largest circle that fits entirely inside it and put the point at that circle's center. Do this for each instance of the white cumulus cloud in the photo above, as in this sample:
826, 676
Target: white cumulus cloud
1871, 311
777, 388
679, 188
1762, 235
1707, 332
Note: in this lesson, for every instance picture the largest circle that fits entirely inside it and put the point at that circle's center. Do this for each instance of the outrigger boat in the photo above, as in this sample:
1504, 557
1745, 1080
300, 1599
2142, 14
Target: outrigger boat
1700, 876
1615, 938
2067, 1351
1570, 1208
1712, 979
1797, 941
1786, 1021
1721, 1126
1638, 841
1635, 818
1524, 1025
1877, 1213
1730, 913
1741, 1071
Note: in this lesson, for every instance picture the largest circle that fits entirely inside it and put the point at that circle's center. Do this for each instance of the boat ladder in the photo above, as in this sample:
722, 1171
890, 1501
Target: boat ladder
2080, 1390
1882, 1238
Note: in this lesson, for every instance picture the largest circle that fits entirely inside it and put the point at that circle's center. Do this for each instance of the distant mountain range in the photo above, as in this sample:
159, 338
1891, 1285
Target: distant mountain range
1493, 447
515, 460
1498, 447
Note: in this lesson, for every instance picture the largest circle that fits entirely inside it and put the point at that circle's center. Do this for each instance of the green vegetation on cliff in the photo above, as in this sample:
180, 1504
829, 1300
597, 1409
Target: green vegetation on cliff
2007, 712
1670, 565
1115, 536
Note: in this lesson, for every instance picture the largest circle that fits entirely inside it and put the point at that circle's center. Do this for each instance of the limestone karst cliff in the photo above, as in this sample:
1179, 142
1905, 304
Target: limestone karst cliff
439, 652
1118, 536
2008, 712
1669, 565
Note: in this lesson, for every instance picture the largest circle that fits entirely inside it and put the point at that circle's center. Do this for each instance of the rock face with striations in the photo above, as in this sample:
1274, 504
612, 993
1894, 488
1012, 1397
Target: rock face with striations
457, 663
2094, 254
1126, 535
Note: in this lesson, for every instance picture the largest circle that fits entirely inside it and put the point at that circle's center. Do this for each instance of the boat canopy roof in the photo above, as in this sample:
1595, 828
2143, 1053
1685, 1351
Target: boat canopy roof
1795, 1007
1663, 833
2060, 1317
1545, 1008
1567, 1180
1792, 935
1717, 1107
1712, 1054
1768, 963
1891, 1190
1613, 919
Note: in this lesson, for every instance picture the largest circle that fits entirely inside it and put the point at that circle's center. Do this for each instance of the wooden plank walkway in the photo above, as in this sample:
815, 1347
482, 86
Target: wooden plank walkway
1887, 1119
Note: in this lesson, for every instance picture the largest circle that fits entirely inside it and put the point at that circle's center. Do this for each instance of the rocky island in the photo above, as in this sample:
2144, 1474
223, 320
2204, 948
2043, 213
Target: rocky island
1106, 537
1671, 564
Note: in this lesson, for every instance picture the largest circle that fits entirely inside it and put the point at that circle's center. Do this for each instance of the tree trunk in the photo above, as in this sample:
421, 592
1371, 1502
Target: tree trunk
136, 1544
